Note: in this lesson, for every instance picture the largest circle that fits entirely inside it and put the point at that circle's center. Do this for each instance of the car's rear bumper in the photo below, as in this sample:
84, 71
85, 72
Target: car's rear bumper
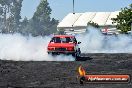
61, 52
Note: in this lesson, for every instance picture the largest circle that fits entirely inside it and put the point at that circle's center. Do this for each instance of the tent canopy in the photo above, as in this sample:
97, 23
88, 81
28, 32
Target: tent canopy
78, 22
82, 19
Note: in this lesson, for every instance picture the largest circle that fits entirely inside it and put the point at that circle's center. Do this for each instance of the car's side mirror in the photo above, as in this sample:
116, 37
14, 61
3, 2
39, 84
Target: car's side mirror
79, 42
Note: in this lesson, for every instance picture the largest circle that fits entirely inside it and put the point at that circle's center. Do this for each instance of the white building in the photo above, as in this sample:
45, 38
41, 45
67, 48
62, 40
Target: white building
78, 22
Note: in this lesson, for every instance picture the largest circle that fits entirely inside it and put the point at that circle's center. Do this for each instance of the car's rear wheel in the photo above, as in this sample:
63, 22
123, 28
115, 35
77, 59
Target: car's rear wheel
52, 53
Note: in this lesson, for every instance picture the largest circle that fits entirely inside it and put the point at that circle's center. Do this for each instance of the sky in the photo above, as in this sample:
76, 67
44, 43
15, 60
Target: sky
60, 8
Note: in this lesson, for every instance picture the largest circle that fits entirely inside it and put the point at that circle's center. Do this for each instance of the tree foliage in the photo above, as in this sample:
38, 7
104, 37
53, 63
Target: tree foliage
10, 15
41, 23
93, 24
124, 19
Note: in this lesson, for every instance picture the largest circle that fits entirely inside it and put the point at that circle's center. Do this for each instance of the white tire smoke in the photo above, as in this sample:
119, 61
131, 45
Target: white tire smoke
95, 42
20, 48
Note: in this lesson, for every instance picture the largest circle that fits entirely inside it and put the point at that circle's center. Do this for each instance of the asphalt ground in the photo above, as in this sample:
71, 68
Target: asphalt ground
44, 74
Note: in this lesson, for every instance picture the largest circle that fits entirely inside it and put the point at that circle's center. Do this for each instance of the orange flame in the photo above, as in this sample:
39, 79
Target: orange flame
81, 71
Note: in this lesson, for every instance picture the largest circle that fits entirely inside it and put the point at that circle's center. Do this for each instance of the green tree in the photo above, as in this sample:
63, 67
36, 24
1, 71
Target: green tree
41, 22
5, 6
93, 24
16, 10
124, 19
24, 22
23, 27
10, 14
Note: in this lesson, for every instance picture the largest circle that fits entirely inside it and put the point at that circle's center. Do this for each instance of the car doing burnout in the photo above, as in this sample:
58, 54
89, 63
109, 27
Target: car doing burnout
64, 44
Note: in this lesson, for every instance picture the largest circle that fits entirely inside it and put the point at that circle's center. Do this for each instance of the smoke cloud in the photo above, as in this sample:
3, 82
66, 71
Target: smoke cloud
94, 41
20, 48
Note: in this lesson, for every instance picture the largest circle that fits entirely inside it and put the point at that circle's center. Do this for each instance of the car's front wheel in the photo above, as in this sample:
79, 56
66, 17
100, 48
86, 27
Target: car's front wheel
77, 54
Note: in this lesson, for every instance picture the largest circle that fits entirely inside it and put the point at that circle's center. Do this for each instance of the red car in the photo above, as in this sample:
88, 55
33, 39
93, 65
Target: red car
64, 44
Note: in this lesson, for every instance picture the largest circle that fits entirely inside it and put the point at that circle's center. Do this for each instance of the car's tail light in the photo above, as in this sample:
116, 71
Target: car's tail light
51, 48
70, 48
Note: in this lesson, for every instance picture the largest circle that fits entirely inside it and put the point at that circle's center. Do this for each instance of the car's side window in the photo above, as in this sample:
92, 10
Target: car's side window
52, 40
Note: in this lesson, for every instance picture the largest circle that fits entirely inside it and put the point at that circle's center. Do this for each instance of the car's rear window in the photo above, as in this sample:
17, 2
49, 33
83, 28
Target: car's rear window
62, 40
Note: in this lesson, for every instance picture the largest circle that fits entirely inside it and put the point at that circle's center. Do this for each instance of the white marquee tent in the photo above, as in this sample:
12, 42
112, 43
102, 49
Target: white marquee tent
78, 22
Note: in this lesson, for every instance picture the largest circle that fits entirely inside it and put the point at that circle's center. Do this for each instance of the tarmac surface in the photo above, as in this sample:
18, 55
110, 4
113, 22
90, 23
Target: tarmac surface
43, 74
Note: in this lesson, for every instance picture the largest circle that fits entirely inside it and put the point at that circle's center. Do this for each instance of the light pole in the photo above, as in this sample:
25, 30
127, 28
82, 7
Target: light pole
131, 28
73, 7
